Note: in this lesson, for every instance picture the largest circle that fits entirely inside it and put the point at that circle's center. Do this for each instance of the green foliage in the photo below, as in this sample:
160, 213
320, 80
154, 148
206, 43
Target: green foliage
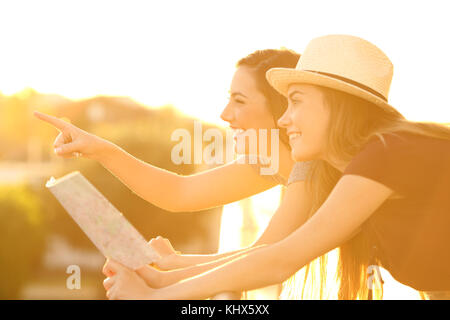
22, 238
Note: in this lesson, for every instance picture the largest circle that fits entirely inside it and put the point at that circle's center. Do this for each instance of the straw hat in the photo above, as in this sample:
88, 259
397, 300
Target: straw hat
340, 62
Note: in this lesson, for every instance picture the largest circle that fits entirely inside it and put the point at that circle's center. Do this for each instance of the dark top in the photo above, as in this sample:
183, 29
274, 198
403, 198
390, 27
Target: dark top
411, 232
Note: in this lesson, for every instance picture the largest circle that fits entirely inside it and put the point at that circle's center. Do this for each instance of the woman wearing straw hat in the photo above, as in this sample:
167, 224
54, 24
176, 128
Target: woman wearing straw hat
378, 189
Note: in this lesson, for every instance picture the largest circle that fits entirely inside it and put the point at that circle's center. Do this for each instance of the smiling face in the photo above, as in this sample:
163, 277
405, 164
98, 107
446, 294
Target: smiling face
306, 121
247, 107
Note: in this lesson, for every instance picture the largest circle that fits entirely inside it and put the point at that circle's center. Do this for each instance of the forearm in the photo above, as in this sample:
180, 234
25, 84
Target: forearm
177, 193
251, 270
188, 260
291, 214
288, 217
270, 265
157, 186
268, 237
177, 275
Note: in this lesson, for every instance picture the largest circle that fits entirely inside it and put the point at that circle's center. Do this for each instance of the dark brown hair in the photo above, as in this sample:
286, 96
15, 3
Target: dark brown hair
259, 62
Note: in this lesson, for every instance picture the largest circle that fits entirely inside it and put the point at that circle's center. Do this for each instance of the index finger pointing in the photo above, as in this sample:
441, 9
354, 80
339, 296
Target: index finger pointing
58, 123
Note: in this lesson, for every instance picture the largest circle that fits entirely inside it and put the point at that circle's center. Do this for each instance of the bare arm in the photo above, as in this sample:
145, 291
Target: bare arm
163, 188
347, 207
292, 213
177, 193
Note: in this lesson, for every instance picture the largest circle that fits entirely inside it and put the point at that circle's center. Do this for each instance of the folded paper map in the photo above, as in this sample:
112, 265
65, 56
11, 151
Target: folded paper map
105, 226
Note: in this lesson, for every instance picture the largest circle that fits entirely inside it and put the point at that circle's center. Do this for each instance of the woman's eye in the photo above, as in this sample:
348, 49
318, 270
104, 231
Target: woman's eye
236, 100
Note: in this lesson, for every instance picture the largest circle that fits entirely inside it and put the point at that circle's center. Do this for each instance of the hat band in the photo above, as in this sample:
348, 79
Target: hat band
352, 82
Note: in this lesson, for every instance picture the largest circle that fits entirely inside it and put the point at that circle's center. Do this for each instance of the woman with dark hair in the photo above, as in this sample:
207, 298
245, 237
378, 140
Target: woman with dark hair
378, 188
253, 105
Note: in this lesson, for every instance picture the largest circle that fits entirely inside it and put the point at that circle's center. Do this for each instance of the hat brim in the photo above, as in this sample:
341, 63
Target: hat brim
281, 78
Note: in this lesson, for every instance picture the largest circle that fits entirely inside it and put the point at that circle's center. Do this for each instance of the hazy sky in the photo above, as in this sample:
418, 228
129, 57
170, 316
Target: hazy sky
184, 52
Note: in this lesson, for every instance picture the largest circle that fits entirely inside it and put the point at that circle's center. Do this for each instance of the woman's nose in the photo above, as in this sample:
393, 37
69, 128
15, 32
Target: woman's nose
226, 114
284, 120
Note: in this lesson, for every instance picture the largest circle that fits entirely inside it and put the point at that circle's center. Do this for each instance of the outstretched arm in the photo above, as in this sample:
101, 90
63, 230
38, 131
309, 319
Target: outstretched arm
291, 214
160, 187
347, 207
176, 193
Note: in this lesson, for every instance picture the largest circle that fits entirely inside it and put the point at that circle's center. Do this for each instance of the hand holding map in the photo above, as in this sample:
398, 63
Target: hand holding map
105, 226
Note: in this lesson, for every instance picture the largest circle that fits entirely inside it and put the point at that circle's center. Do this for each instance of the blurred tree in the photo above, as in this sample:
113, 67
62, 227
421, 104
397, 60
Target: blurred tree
22, 238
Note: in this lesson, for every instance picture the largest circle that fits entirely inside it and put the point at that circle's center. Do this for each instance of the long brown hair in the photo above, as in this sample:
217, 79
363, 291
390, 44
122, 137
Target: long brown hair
353, 121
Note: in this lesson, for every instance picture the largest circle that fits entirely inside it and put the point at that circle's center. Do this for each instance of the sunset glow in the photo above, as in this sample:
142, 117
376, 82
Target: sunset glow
183, 53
